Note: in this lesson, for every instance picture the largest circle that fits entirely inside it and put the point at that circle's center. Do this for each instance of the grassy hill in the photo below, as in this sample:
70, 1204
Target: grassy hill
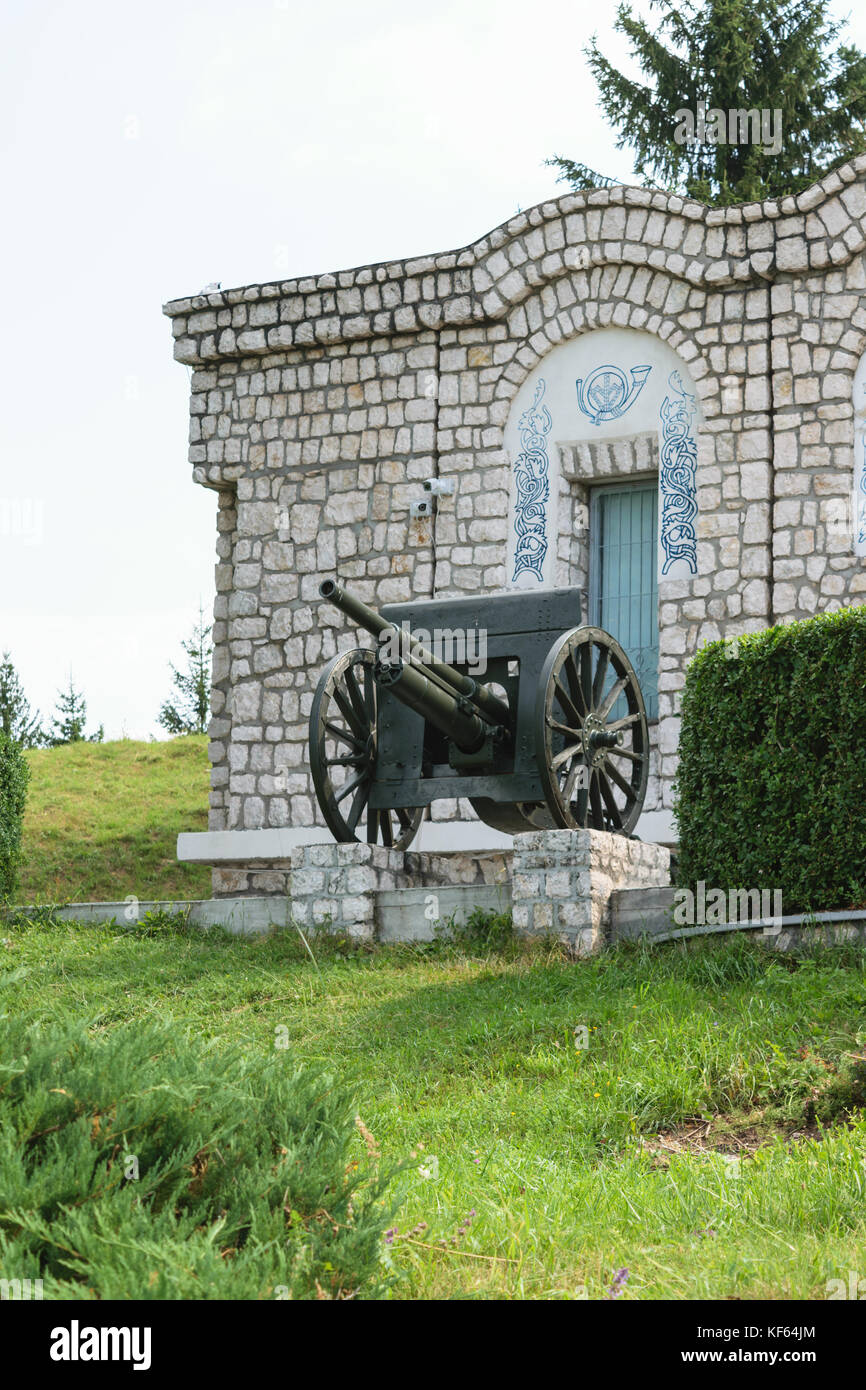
102, 821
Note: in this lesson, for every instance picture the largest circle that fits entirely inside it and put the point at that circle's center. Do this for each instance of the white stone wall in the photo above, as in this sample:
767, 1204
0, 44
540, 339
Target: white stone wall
320, 405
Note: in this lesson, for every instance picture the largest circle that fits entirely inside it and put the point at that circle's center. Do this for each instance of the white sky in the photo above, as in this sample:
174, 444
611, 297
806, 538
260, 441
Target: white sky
146, 150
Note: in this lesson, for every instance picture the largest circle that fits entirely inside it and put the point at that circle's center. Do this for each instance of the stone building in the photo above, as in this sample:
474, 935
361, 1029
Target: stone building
661, 404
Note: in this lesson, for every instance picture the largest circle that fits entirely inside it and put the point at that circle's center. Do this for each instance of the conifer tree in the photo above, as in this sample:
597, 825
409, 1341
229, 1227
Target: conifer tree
188, 712
70, 719
732, 55
16, 719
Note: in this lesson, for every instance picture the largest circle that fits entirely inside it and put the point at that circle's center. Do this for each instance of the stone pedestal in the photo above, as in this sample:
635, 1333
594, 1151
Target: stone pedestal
562, 881
336, 886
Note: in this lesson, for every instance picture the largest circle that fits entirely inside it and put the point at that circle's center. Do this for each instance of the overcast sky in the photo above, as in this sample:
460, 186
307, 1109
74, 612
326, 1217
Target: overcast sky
147, 150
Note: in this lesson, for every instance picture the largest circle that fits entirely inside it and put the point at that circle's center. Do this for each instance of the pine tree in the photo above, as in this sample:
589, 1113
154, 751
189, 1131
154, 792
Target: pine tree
70, 719
189, 711
16, 719
732, 55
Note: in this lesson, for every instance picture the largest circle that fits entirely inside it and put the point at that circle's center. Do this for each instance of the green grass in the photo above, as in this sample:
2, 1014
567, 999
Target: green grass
710, 1139
102, 821
744, 1063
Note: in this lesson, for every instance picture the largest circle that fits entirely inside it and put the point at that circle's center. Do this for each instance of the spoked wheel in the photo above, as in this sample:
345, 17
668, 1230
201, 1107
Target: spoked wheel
343, 755
592, 736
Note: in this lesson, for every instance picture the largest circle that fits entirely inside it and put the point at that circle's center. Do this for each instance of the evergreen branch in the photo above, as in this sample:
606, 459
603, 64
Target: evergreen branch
580, 176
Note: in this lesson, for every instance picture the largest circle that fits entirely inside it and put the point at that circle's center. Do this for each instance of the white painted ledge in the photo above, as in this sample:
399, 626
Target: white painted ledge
248, 846
274, 846
657, 828
217, 847
468, 836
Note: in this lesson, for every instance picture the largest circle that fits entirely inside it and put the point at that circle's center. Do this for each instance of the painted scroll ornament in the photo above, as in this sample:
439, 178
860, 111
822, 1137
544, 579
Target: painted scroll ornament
532, 488
678, 457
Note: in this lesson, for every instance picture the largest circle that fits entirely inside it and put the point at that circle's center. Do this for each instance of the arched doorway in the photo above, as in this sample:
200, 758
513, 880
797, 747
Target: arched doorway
602, 442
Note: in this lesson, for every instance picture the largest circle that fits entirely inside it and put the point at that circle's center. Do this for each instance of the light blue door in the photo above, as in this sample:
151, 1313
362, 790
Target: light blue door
623, 593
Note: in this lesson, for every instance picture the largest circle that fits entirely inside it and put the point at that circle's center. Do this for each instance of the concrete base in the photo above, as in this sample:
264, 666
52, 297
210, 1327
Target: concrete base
648, 913
242, 916
420, 914
562, 882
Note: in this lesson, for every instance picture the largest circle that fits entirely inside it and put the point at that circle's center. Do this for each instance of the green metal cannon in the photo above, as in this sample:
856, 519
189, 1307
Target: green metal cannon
554, 735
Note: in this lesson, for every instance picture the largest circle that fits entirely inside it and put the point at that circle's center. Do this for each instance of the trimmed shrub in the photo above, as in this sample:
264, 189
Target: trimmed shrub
139, 1166
771, 785
14, 776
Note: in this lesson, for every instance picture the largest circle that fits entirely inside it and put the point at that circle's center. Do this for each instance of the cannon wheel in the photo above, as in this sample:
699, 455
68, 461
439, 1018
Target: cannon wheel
343, 755
588, 697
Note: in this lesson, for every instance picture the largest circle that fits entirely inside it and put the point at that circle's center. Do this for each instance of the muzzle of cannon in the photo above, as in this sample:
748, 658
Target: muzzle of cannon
554, 736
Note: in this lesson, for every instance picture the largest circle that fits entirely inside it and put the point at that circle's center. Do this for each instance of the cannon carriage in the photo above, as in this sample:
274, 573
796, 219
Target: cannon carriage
551, 734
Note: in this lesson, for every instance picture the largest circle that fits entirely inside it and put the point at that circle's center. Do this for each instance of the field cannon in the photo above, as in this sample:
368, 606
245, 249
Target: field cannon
554, 735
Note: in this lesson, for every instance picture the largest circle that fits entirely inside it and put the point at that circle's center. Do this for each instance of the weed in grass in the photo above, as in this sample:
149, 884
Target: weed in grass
482, 930
161, 921
44, 916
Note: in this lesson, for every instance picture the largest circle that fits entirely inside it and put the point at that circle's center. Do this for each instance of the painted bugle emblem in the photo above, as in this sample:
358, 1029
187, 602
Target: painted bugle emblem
606, 394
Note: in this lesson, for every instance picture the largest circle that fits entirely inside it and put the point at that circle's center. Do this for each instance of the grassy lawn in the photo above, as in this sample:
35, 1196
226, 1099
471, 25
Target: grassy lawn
709, 1139
102, 821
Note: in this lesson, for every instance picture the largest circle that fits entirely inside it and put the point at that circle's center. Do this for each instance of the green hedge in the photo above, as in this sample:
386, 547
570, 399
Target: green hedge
771, 786
14, 776
140, 1165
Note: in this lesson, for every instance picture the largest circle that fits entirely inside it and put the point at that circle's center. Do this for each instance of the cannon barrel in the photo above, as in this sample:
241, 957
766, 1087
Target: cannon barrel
413, 688
450, 681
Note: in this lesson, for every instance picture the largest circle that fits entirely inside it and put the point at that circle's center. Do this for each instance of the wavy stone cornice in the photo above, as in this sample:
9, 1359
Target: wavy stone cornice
709, 248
